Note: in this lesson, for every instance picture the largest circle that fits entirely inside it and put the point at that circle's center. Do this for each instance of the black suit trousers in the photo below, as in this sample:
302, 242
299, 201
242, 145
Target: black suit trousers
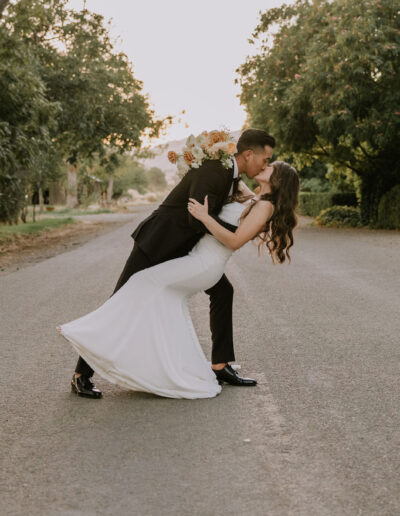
221, 302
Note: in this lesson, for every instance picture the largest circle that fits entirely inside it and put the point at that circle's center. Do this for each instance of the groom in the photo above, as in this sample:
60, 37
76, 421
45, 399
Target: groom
171, 232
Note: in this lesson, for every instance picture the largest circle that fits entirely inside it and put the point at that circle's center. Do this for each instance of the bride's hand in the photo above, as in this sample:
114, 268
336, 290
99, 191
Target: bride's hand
197, 210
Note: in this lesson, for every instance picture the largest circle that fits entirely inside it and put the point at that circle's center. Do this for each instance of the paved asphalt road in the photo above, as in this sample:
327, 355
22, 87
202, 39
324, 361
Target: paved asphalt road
319, 435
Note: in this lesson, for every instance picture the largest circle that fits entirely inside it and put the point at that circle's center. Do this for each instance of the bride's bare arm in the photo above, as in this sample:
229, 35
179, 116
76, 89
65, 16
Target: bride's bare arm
248, 229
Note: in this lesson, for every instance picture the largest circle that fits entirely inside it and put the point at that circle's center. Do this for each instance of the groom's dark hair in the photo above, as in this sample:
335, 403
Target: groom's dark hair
254, 138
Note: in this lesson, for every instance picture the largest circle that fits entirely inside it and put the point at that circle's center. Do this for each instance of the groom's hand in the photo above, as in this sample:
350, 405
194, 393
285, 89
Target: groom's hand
197, 210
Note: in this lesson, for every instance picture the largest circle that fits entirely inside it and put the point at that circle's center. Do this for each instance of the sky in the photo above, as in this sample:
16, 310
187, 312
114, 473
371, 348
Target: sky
186, 52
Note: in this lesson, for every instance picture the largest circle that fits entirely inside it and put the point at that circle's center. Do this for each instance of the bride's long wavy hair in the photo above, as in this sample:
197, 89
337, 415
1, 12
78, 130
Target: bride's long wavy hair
278, 232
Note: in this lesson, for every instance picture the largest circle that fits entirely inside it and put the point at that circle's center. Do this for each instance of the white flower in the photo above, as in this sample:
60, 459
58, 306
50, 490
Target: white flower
220, 146
201, 139
227, 161
191, 141
198, 153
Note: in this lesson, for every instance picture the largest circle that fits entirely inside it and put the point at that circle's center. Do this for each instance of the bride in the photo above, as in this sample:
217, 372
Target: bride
142, 337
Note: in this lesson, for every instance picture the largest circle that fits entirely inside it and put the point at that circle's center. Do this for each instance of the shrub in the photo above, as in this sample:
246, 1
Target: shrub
339, 216
389, 209
135, 178
311, 203
157, 181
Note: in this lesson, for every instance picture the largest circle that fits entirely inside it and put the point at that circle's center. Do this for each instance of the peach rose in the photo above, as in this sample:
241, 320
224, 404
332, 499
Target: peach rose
216, 137
213, 138
231, 148
172, 156
188, 157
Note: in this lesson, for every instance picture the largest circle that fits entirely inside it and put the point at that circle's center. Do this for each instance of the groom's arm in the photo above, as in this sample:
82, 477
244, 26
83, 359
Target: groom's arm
212, 183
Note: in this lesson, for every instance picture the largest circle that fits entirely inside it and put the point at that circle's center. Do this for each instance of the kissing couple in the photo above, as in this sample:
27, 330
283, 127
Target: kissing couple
143, 337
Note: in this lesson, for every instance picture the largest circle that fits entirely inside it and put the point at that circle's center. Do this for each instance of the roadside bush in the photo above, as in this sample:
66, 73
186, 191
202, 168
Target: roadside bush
135, 178
339, 216
311, 203
157, 181
389, 209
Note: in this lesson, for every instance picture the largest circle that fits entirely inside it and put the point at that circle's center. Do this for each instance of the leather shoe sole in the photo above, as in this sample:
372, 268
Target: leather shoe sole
249, 383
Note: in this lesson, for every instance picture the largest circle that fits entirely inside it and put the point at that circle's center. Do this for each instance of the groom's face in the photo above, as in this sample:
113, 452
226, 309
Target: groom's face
258, 160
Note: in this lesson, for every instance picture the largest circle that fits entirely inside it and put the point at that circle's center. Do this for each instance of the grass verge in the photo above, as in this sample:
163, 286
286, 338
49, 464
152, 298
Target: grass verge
78, 211
8, 233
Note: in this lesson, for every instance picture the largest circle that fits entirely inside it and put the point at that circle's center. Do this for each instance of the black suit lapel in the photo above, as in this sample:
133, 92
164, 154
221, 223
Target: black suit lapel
229, 180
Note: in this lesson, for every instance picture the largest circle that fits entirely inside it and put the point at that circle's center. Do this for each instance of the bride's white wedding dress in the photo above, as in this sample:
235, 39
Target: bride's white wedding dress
143, 337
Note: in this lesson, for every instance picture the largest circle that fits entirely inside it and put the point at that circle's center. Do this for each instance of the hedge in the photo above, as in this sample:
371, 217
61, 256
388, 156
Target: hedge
312, 203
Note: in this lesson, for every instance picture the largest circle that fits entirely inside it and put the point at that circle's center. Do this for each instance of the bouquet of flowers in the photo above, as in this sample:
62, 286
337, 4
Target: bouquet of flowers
207, 145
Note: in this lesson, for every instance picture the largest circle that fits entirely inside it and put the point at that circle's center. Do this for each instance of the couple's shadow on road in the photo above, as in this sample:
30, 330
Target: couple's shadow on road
120, 397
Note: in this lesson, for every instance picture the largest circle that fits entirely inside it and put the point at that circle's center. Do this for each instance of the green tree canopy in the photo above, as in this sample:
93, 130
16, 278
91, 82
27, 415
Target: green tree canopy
72, 87
27, 118
326, 84
101, 100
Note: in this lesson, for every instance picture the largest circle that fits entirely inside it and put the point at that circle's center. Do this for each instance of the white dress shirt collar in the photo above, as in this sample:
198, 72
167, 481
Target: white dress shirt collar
235, 174
235, 168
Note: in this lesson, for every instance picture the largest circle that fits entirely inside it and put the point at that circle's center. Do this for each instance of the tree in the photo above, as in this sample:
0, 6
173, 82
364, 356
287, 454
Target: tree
326, 84
3, 5
130, 175
102, 104
26, 118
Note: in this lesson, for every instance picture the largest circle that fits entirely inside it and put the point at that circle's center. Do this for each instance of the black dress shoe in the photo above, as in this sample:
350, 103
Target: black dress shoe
229, 375
83, 386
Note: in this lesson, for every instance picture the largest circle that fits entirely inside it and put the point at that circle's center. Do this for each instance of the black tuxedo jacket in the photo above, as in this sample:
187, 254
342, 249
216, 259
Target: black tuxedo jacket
171, 231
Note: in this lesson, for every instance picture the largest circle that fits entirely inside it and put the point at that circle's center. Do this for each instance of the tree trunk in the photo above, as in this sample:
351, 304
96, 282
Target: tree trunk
27, 201
72, 188
57, 193
41, 200
110, 189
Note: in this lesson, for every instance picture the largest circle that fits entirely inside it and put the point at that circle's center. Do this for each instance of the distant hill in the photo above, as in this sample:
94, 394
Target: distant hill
160, 159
